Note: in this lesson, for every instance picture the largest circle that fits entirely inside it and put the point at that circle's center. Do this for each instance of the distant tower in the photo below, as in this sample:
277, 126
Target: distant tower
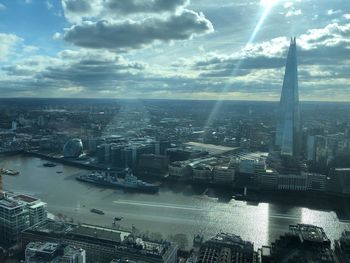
14, 125
288, 123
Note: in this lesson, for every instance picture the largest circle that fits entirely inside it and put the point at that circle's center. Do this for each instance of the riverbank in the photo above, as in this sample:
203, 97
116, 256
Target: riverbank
177, 208
226, 192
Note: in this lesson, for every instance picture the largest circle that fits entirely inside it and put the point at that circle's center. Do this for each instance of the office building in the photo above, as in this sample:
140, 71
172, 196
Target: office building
303, 243
101, 244
288, 132
342, 248
46, 252
226, 248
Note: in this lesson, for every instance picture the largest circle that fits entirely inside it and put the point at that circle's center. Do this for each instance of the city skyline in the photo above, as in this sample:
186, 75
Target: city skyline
181, 50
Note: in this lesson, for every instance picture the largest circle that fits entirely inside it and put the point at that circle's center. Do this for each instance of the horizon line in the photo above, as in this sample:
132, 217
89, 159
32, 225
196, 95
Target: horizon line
181, 99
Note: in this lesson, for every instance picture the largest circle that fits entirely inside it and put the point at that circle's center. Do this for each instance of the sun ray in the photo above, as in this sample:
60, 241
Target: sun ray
268, 5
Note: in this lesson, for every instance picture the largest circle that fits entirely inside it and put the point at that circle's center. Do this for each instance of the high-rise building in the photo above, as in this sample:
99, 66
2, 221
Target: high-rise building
18, 212
288, 126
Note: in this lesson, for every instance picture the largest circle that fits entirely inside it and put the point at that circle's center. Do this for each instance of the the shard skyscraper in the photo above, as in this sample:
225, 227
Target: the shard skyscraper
288, 125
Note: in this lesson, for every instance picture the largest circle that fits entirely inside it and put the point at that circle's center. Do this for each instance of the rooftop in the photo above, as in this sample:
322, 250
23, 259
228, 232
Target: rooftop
342, 169
231, 239
97, 232
43, 247
211, 148
9, 204
25, 198
13, 200
118, 238
47, 251
309, 233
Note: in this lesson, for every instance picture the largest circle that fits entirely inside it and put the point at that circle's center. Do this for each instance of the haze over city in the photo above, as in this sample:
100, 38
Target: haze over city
172, 49
174, 131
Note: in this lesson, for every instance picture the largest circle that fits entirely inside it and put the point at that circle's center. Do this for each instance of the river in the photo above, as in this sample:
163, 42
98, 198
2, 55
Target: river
169, 212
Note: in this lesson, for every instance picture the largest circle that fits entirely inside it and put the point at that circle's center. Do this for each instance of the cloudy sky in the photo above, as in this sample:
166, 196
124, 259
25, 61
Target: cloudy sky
191, 49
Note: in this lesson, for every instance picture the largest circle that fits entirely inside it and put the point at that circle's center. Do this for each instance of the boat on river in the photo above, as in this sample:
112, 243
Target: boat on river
97, 211
129, 182
49, 164
8, 172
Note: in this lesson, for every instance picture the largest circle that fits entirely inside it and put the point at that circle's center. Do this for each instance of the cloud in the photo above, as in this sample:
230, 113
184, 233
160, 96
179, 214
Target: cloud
2, 7
224, 68
329, 45
94, 70
7, 44
77, 6
84, 71
331, 12
145, 6
132, 35
76, 10
287, 5
49, 5
293, 12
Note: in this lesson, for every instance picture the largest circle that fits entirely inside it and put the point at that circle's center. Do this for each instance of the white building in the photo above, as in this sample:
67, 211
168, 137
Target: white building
179, 169
38, 252
18, 212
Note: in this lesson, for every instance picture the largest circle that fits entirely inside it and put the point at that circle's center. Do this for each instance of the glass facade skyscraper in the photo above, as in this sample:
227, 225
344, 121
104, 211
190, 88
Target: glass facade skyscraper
288, 124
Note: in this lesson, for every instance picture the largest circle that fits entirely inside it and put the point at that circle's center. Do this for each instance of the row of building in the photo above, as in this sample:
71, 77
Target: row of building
209, 170
302, 243
98, 243
253, 171
325, 148
24, 222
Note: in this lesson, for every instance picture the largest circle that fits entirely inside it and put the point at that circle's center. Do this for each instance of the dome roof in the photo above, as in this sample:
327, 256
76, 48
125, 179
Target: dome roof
73, 148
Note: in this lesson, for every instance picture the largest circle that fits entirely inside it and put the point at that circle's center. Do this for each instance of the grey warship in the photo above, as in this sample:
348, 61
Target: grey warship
130, 181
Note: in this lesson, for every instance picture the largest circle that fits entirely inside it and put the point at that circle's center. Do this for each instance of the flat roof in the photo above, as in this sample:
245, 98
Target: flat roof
342, 169
309, 233
26, 198
91, 232
9, 203
97, 232
38, 205
211, 148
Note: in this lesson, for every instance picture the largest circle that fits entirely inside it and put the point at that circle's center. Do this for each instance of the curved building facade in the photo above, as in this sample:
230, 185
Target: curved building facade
73, 148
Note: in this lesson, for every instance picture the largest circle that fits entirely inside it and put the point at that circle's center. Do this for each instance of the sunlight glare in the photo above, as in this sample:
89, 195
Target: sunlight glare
268, 3
268, 6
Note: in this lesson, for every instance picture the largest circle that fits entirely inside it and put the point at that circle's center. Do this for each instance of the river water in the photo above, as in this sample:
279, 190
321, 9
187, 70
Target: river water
169, 212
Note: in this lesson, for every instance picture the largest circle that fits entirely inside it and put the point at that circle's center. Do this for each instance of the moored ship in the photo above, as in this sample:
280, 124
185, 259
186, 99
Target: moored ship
49, 164
8, 172
130, 181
